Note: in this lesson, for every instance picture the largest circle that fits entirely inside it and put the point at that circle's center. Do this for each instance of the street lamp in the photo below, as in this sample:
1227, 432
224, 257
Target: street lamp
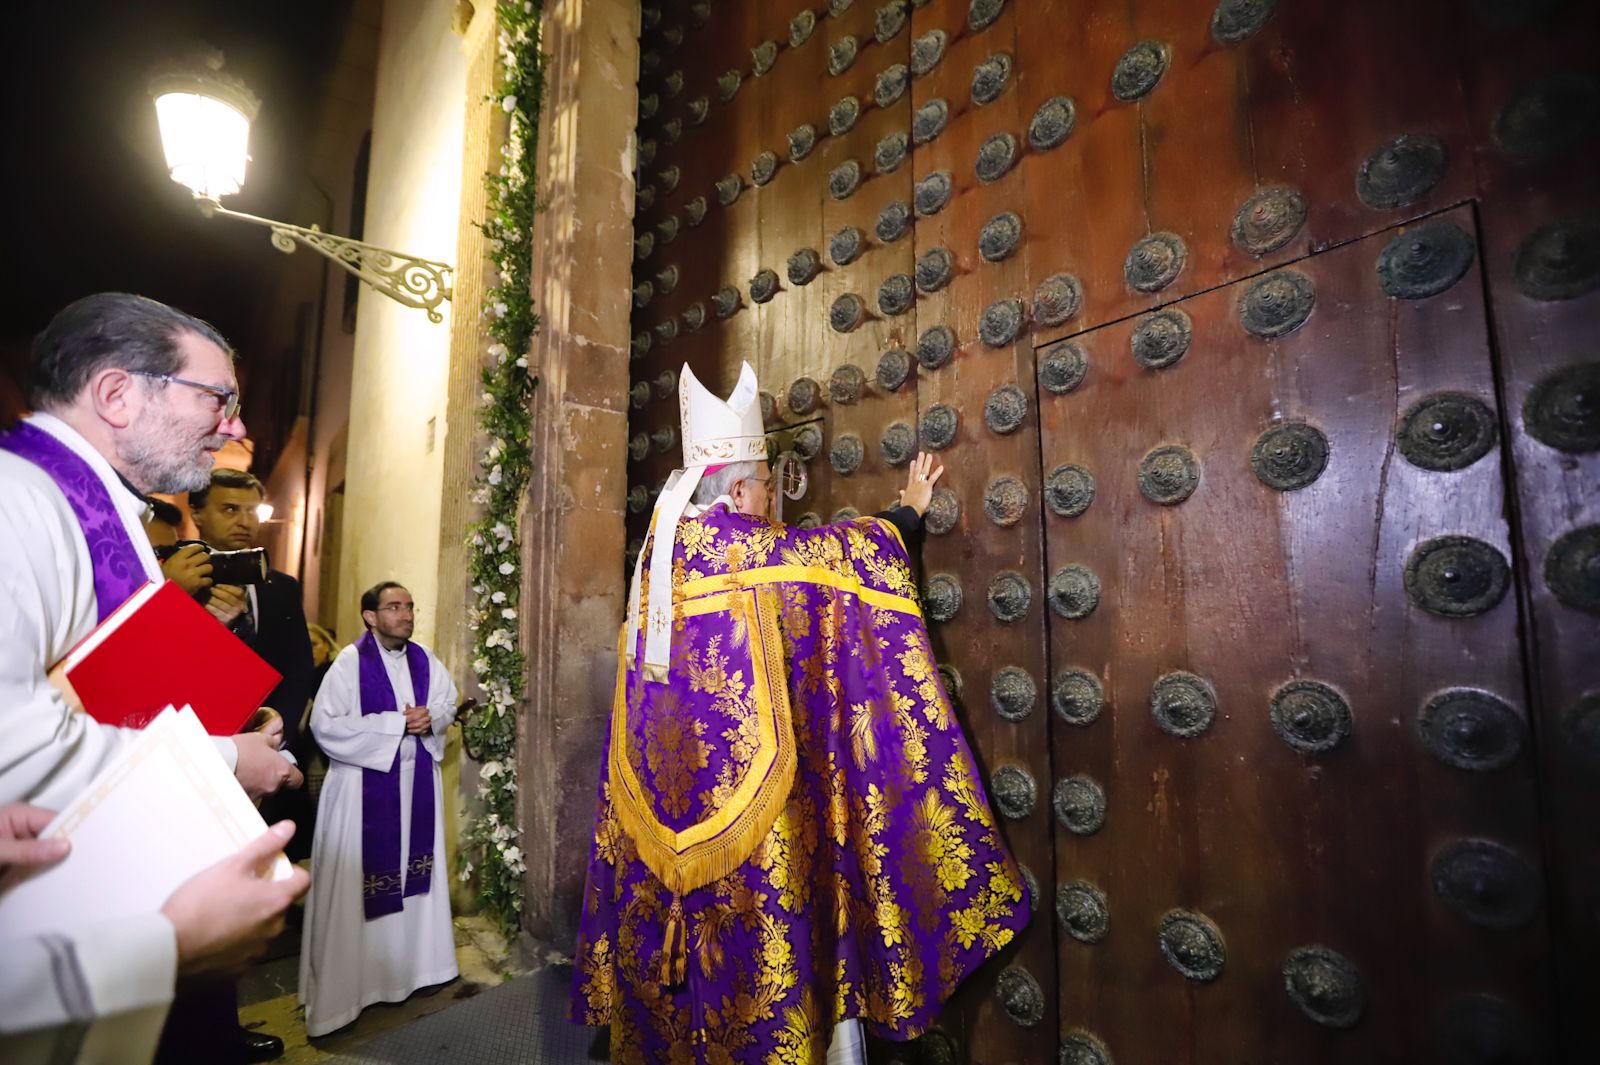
205, 118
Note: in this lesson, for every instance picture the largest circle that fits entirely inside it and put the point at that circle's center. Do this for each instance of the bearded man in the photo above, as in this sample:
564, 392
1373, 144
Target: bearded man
792, 834
131, 397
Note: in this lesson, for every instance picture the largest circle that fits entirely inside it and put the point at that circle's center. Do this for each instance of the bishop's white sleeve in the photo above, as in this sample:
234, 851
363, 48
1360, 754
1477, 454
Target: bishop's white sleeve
98, 995
442, 698
345, 734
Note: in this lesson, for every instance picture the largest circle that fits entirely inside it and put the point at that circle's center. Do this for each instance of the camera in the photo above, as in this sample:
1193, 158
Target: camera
227, 567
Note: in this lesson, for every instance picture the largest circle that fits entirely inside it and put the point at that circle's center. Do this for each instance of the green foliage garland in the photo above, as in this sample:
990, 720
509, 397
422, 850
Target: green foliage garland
493, 838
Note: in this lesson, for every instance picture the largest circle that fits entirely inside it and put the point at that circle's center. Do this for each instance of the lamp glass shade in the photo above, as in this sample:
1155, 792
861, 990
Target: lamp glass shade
263, 511
206, 140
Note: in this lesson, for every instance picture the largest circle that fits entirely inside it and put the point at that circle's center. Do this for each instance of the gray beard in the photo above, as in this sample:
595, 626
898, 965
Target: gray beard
155, 467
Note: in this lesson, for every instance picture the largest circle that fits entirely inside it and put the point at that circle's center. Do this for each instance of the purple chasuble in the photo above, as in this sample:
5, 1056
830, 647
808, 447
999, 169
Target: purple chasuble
118, 572
792, 830
384, 886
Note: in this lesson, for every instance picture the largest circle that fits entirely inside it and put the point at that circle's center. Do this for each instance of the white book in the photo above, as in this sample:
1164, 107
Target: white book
165, 809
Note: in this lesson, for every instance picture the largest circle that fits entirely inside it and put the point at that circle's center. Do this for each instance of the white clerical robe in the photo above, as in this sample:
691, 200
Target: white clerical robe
346, 961
121, 977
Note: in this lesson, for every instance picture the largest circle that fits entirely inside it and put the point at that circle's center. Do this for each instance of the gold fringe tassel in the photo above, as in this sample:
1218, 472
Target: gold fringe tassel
675, 947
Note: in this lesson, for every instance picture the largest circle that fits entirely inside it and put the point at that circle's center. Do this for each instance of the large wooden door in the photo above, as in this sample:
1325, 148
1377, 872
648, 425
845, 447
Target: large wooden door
1257, 338
1299, 685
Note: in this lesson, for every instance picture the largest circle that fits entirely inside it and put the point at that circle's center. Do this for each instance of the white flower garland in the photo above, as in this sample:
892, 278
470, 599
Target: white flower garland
505, 417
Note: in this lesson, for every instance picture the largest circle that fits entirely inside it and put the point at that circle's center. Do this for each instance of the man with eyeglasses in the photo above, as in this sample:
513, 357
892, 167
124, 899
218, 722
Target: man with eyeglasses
377, 925
131, 397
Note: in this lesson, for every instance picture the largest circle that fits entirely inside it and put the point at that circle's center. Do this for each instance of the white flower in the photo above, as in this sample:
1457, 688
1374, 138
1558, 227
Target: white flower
523, 362
507, 569
509, 614
466, 872
497, 598
509, 104
499, 310
491, 768
513, 859
501, 531
495, 475
480, 665
480, 496
500, 834
498, 638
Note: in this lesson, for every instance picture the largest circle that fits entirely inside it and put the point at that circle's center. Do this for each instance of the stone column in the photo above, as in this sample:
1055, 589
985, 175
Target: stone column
573, 531
483, 133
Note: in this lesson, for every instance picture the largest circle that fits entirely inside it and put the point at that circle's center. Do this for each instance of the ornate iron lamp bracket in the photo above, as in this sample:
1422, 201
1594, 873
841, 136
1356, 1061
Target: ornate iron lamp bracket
415, 282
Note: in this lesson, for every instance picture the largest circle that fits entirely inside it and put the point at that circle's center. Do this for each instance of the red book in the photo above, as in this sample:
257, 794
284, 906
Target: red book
160, 648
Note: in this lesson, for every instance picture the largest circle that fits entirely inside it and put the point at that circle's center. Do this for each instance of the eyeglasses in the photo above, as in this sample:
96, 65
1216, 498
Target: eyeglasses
227, 398
398, 608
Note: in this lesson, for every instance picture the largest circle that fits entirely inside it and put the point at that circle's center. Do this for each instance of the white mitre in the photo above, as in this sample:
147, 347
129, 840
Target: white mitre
715, 432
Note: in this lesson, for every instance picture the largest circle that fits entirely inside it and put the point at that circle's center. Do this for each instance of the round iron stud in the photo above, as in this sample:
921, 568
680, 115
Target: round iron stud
893, 221
896, 294
1077, 697
1161, 338
1069, 490
939, 423
898, 444
1138, 71
1469, 729
1485, 883
802, 139
1058, 299
996, 155
1563, 409
842, 116
1278, 304
805, 396
1005, 501
1012, 693
1074, 592
1572, 568
804, 265
999, 237
1052, 123
926, 52
846, 313
894, 367
1183, 704
932, 193
1169, 474
1310, 716
1447, 431
1456, 576
844, 179
1402, 171
1193, 945
1001, 322
1021, 996
846, 384
1062, 367
846, 454
934, 268
844, 247
1005, 409
929, 121
1325, 986
1269, 220
890, 85
890, 153
935, 346
1081, 909
1014, 791
1560, 260
944, 512
1238, 20
1289, 456
764, 285
990, 77
1155, 262
1080, 805
1425, 260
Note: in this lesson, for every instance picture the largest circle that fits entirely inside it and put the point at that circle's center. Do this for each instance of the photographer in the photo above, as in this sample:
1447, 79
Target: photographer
263, 608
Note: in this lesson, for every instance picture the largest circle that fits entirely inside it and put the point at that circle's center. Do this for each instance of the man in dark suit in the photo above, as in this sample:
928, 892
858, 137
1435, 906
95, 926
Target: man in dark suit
270, 617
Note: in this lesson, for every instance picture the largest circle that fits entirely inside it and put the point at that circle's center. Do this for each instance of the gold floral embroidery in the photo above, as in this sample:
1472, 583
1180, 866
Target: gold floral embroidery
600, 987
674, 750
787, 852
939, 842
801, 1040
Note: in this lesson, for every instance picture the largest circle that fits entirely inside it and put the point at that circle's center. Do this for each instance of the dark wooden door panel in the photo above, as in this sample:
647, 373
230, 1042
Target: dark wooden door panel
1250, 588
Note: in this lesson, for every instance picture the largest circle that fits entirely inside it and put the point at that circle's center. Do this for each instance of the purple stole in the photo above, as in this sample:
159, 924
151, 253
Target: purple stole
383, 887
118, 571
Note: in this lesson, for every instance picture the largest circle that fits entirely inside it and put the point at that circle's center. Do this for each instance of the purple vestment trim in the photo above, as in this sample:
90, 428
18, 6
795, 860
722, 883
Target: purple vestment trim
385, 886
118, 571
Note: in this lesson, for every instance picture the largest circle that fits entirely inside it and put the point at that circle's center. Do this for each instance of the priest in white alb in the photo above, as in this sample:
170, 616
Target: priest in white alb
377, 922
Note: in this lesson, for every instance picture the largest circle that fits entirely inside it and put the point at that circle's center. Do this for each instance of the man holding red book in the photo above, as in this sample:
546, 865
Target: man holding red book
131, 397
